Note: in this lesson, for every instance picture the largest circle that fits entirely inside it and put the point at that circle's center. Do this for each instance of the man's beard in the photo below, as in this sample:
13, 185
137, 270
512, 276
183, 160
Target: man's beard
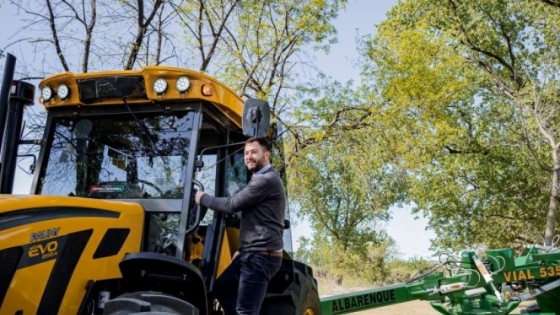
258, 165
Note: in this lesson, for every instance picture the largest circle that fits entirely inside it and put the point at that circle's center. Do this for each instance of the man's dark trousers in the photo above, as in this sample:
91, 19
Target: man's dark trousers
241, 288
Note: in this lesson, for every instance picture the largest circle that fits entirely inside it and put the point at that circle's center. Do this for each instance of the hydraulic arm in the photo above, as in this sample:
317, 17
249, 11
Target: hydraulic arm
469, 285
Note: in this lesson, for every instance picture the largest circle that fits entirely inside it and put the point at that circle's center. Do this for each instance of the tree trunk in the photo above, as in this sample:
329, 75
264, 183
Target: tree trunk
553, 204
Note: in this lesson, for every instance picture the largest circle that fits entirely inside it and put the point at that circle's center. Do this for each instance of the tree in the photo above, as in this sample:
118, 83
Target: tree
471, 86
346, 193
80, 35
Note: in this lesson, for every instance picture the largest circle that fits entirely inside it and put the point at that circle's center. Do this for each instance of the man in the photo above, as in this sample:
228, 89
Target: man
262, 204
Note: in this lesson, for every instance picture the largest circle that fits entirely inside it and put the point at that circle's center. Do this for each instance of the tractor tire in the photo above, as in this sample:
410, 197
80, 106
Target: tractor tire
148, 303
311, 303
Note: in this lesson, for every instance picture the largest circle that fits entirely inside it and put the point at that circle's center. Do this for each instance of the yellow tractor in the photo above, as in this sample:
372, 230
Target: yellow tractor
110, 226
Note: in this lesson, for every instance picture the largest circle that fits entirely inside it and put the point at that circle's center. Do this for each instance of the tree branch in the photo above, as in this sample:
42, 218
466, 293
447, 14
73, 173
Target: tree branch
554, 3
55, 37
141, 31
468, 41
216, 34
89, 31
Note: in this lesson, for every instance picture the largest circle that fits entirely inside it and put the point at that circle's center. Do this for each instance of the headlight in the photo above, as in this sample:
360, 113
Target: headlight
46, 93
160, 85
63, 91
183, 84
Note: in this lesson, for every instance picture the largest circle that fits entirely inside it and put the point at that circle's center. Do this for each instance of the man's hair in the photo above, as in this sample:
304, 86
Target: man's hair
264, 143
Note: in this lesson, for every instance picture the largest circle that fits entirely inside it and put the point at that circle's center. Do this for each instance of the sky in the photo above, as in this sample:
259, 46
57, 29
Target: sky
360, 17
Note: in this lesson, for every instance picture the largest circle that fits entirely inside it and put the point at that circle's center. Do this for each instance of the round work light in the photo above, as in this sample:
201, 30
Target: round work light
183, 84
46, 93
63, 91
160, 85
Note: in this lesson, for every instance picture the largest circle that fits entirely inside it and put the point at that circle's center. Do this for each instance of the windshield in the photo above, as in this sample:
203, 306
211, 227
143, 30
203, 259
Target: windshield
118, 157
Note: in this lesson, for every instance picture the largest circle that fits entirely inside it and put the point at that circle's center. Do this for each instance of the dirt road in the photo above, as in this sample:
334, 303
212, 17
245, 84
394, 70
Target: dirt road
412, 308
409, 308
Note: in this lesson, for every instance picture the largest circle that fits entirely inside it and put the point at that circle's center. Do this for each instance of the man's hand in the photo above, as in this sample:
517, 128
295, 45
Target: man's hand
198, 195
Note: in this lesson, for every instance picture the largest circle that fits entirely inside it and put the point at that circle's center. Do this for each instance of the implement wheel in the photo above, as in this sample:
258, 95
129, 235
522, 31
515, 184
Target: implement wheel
311, 303
148, 303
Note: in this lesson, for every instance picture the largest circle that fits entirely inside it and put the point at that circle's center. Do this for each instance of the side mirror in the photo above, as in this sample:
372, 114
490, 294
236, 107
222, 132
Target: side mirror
256, 118
23, 92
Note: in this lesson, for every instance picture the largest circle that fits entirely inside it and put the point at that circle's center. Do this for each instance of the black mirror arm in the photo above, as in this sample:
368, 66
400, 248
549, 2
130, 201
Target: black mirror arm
199, 164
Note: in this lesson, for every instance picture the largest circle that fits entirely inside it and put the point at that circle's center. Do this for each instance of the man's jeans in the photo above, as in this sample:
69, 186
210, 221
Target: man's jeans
241, 288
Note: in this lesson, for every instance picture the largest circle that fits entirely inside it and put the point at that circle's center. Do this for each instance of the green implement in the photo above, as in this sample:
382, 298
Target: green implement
469, 285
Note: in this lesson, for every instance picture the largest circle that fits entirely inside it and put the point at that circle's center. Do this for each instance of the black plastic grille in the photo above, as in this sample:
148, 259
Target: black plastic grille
93, 90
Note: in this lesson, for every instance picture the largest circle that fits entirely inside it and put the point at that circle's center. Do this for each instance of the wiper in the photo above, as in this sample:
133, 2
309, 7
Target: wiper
146, 133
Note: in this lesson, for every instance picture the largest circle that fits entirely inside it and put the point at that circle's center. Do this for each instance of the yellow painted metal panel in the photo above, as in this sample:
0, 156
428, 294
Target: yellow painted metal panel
48, 247
223, 98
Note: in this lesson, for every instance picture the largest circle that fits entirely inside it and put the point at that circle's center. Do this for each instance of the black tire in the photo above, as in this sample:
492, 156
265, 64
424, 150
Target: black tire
311, 304
148, 303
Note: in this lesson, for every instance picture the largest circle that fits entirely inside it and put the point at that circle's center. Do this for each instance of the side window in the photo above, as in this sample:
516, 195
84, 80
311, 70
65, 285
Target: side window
207, 177
236, 174
224, 173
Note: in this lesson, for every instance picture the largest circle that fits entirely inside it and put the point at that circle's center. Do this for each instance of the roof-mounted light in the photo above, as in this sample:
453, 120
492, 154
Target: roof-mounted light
183, 84
63, 91
46, 93
160, 85
207, 90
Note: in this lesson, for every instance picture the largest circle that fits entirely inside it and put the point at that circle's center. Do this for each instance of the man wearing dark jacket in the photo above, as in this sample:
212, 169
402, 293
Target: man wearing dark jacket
262, 204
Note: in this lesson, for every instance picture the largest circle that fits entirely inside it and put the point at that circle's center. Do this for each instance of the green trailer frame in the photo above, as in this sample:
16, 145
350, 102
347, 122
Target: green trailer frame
495, 285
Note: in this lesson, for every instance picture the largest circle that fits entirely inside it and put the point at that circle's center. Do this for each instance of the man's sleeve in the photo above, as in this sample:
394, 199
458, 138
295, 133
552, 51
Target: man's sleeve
254, 193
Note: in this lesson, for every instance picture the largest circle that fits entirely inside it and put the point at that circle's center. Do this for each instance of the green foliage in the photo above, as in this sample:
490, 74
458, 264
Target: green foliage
345, 192
362, 265
467, 89
403, 270
255, 46
374, 265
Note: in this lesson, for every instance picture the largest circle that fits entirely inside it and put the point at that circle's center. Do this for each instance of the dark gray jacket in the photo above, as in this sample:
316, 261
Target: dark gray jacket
262, 204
